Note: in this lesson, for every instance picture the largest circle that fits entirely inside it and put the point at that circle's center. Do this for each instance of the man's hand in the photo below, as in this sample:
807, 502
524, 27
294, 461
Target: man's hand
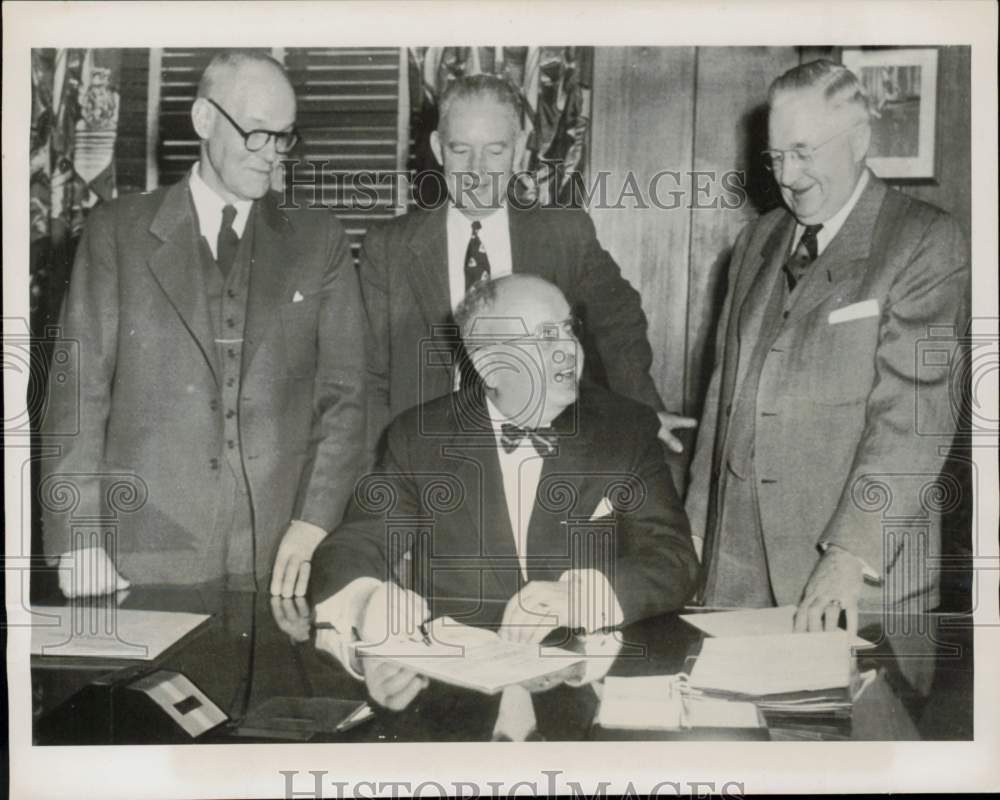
292, 563
89, 572
573, 673
835, 585
670, 422
291, 615
536, 610
392, 685
392, 612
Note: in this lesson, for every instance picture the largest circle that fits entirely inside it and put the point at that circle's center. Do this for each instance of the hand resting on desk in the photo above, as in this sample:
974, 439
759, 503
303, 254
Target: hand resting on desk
89, 572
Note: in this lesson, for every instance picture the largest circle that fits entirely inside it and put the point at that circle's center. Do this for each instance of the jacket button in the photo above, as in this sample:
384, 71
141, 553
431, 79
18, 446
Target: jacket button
214, 463
230, 414
214, 405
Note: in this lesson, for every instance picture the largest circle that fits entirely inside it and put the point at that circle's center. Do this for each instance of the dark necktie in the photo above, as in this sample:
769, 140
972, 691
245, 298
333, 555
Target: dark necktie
477, 265
804, 255
228, 241
543, 441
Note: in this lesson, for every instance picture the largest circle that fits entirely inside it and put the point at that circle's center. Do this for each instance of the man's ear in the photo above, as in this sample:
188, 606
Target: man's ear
202, 118
436, 146
861, 139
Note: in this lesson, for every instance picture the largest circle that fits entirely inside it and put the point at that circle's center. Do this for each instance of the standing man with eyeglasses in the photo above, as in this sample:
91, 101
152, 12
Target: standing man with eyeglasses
822, 422
221, 365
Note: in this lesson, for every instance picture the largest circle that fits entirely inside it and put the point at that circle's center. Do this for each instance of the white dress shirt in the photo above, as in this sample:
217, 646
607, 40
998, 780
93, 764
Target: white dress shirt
494, 237
208, 207
597, 608
833, 225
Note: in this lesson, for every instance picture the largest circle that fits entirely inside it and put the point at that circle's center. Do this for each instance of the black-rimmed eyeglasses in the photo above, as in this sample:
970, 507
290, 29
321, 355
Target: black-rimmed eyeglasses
259, 138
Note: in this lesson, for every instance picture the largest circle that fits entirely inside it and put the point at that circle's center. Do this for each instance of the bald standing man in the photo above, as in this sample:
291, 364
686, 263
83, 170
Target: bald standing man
220, 367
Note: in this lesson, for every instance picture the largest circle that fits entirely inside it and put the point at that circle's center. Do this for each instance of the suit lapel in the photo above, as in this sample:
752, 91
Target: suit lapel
273, 259
428, 269
844, 257
177, 266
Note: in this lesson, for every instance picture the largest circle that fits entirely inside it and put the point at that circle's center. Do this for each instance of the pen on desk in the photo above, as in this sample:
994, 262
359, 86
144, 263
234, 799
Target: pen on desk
356, 717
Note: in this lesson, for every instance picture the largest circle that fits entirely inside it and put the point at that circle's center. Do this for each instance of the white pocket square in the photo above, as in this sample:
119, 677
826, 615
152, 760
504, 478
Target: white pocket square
604, 509
297, 297
866, 308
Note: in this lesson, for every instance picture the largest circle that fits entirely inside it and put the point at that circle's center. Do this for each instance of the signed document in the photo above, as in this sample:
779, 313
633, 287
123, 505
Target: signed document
473, 658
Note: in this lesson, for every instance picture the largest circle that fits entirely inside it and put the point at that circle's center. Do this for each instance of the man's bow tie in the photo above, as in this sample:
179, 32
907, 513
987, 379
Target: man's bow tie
543, 441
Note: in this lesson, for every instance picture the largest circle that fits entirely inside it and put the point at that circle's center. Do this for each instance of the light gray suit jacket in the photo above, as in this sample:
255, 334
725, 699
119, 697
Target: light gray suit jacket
850, 423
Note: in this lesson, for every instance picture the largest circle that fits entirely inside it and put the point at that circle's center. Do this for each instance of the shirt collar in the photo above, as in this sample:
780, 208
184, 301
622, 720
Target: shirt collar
495, 224
833, 225
209, 205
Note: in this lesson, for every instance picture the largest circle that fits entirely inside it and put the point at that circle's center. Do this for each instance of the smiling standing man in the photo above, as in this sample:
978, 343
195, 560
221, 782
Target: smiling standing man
818, 393
220, 362
416, 268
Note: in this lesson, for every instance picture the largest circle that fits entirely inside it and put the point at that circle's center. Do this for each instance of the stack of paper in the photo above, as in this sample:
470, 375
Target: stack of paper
661, 702
473, 658
783, 673
752, 622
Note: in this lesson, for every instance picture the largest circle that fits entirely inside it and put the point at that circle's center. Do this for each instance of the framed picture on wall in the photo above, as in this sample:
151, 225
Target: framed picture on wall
902, 84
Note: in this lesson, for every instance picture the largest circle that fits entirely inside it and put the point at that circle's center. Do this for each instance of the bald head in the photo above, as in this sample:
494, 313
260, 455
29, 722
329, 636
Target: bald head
519, 332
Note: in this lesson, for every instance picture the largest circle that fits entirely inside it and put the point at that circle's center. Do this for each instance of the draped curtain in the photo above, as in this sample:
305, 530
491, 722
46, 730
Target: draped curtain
554, 84
74, 123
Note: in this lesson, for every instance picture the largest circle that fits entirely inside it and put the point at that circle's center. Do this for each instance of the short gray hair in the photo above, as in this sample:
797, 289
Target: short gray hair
229, 61
481, 86
840, 86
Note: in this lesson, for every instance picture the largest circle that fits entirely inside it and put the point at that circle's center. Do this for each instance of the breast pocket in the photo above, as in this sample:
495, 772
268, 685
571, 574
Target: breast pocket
836, 363
299, 323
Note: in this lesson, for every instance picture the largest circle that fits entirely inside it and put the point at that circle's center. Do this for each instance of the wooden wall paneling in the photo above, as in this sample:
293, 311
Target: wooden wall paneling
642, 117
730, 130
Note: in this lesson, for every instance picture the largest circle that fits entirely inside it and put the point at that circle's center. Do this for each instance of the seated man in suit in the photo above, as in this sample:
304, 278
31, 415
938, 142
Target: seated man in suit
822, 421
221, 368
416, 268
504, 478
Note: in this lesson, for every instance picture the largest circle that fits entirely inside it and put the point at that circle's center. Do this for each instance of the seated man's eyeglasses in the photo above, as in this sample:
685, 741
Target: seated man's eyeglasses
258, 139
775, 160
569, 328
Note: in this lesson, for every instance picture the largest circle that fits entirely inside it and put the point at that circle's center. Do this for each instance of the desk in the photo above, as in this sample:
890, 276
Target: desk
250, 652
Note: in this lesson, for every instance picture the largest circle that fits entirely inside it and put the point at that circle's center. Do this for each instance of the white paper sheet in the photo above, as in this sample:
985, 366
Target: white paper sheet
773, 664
752, 622
658, 703
107, 632
472, 657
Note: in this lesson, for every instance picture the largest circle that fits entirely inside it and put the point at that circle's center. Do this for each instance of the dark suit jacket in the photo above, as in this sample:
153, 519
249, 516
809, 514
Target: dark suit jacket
439, 494
841, 416
404, 280
148, 397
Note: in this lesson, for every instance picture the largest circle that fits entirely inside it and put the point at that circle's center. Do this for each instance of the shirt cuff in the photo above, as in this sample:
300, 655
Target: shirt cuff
600, 651
593, 603
340, 617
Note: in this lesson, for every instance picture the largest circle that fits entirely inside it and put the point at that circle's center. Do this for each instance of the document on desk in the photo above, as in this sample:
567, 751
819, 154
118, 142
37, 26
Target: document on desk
661, 702
103, 632
752, 622
756, 666
473, 658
